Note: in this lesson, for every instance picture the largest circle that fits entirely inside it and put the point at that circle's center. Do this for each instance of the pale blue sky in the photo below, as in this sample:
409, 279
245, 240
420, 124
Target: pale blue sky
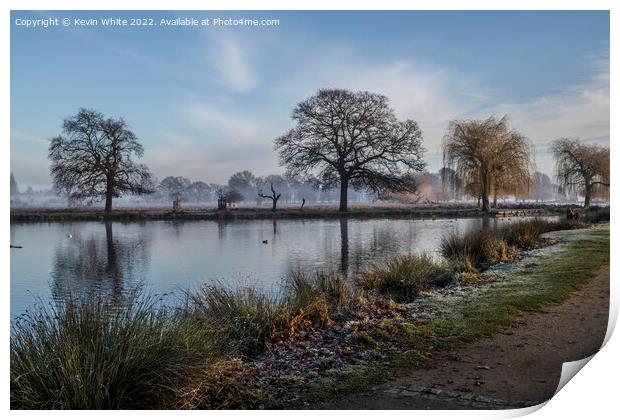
207, 102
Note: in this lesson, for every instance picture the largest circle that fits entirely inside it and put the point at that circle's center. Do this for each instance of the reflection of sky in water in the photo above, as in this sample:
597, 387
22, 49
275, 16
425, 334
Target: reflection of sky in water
92, 257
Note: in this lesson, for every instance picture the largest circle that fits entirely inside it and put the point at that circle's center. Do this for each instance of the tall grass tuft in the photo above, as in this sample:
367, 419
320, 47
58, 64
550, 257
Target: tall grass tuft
244, 321
88, 354
323, 289
474, 249
241, 322
404, 277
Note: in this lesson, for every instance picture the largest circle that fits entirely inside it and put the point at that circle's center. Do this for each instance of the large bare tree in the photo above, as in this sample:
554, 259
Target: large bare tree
488, 156
580, 167
93, 158
352, 139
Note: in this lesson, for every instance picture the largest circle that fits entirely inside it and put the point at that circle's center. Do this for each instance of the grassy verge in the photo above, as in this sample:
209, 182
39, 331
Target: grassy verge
91, 354
489, 312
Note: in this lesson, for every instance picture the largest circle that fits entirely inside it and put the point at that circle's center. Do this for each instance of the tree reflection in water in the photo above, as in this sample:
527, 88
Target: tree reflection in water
344, 246
95, 262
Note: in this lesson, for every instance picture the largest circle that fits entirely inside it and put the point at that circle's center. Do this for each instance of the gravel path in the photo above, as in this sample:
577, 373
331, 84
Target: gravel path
520, 367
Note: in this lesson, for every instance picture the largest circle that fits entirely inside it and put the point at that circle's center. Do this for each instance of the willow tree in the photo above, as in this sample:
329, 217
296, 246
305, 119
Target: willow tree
581, 168
94, 158
488, 156
352, 139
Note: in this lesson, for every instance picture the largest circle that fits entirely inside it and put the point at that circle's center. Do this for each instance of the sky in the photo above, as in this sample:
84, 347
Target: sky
208, 101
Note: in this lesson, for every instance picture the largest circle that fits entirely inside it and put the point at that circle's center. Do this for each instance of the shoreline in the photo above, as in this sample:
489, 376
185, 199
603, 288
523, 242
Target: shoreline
327, 340
152, 214
527, 288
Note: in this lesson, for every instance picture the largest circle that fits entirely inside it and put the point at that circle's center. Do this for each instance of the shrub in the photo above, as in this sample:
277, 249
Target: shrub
404, 277
88, 354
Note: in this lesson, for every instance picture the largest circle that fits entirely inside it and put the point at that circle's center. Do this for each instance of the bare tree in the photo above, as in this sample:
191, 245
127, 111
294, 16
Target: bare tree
273, 197
582, 168
94, 158
175, 187
352, 138
487, 155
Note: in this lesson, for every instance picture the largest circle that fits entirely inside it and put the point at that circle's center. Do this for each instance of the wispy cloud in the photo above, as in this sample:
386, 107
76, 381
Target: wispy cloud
434, 96
21, 136
231, 61
230, 135
580, 111
221, 139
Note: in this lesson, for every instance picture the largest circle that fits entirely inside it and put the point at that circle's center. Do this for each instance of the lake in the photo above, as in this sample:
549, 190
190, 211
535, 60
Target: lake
172, 256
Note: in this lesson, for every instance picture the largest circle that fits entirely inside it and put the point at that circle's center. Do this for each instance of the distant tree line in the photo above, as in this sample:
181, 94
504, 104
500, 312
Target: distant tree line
343, 145
244, 186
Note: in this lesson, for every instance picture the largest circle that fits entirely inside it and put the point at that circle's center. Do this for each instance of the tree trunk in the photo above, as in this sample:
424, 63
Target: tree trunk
275, 203
485, 203
344, 189
108, 201
485, 194
109, 195
588, 195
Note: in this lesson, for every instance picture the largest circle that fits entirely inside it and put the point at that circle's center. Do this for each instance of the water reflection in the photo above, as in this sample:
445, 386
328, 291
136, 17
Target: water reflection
169, 256
95, 262
344, 246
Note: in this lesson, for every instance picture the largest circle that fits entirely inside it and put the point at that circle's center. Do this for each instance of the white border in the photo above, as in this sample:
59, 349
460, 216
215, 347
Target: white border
591, 395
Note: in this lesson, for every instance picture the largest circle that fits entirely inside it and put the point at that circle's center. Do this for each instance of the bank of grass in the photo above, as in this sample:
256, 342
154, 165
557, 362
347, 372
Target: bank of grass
137, 354
477, 250
90, 354
490, 312
242, 322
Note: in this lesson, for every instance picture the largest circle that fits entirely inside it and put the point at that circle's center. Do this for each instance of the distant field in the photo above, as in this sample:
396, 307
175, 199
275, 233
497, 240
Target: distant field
209, 212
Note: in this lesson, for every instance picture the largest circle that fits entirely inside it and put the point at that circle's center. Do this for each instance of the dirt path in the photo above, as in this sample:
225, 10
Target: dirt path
520, 367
